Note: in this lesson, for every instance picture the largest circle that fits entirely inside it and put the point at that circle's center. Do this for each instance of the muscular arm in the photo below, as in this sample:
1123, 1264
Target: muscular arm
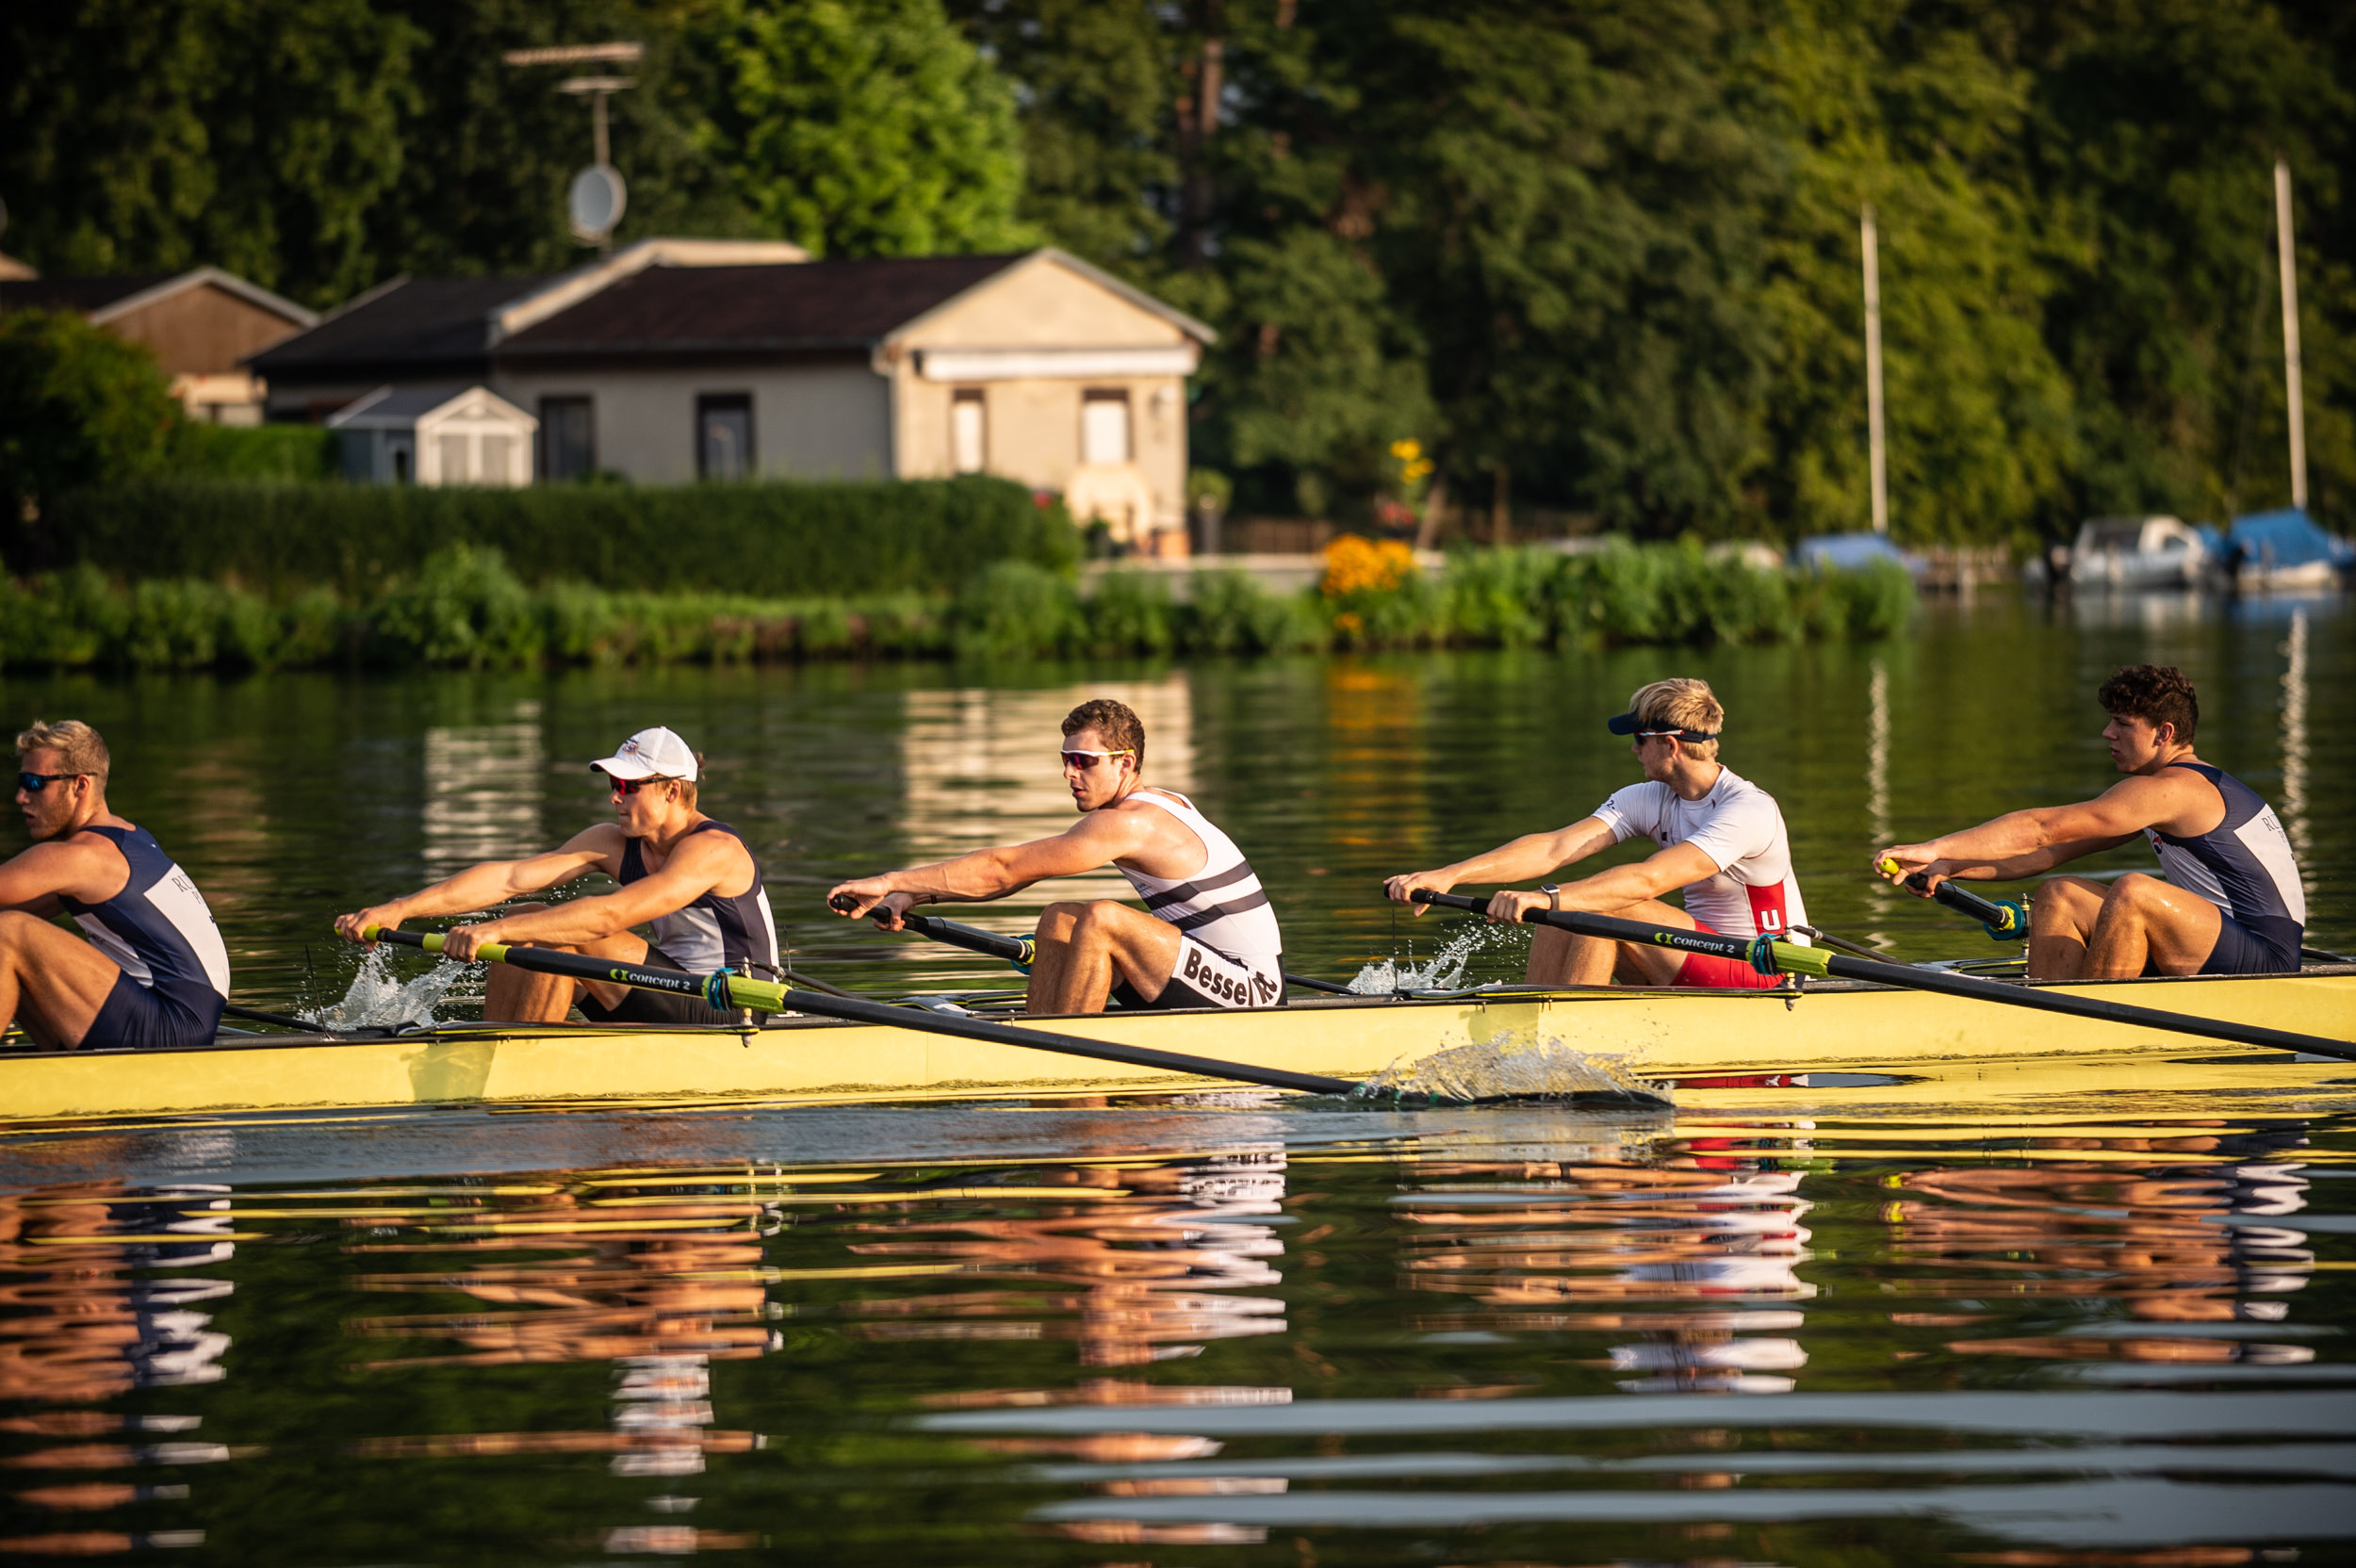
697, 865
1095, 841
2025, 844
76, 867
1524, 859
594, 848
1674, 867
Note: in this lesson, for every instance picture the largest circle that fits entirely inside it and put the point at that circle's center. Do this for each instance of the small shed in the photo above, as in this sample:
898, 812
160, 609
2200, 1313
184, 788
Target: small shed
437, 436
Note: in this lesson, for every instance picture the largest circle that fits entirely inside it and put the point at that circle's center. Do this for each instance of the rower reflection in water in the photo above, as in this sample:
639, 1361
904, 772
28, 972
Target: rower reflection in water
1210, 940
2229, 900
1696, 1255
689, 879
1722, 840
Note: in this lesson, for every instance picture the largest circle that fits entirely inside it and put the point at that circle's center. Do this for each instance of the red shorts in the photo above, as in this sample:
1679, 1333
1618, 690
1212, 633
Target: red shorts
1724, 973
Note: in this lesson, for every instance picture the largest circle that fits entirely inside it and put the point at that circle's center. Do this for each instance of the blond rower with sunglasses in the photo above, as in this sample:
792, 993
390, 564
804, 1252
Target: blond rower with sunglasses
1721, 840
1207, 937
155, 973
690, 880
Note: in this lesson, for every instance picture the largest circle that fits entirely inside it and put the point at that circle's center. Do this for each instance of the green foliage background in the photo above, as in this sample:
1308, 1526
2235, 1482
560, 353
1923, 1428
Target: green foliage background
1598, 257
465, 606
783, 540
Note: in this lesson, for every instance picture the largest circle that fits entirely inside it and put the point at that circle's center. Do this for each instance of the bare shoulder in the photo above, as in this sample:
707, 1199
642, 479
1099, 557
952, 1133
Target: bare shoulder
2156, 799
1155, 841
84, 866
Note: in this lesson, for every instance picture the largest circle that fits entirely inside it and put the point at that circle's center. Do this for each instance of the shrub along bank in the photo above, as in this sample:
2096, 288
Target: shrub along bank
784, 540
466, 606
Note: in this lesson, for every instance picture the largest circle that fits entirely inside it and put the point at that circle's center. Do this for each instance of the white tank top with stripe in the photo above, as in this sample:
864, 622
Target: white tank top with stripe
1221, 905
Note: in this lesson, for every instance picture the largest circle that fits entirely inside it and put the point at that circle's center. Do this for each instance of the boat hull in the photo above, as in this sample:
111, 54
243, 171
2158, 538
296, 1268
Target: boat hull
1663, 1034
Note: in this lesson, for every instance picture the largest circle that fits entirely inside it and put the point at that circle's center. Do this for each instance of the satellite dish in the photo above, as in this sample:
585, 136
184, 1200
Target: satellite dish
597, 203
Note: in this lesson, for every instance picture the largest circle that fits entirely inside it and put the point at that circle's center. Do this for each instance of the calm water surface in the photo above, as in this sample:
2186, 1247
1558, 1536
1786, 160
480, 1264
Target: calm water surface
2047, 1322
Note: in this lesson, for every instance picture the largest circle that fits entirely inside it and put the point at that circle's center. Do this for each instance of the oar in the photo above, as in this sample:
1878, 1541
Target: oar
2007, 918
725, 992
1022, 951
282, 1020
1770, 956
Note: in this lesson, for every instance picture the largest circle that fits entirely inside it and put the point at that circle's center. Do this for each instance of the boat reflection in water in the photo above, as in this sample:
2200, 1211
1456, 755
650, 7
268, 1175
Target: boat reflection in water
1081, 1335
97, 1307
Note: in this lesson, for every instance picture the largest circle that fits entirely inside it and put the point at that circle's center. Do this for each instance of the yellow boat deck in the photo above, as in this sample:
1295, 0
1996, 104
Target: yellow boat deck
1680, 1035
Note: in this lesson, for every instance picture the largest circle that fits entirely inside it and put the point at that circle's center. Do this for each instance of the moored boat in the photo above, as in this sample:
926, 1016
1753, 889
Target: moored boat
1823, 1026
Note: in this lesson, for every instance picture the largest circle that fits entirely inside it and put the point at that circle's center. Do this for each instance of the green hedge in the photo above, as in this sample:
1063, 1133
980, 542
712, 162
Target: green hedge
465, 607
772, 540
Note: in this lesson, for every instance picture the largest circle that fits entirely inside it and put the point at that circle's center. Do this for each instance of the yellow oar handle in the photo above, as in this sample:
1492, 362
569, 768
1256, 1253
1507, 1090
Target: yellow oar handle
489, 953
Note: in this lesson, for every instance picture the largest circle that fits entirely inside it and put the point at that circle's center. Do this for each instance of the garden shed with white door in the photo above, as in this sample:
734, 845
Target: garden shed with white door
435, 437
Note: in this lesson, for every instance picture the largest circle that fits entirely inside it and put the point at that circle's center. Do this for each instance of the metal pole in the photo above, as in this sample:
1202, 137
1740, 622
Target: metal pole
597, 106
1876, 451
2289, 261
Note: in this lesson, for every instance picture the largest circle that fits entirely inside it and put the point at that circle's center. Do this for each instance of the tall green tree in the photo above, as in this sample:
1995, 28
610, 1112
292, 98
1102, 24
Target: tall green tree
259, 135
860, 127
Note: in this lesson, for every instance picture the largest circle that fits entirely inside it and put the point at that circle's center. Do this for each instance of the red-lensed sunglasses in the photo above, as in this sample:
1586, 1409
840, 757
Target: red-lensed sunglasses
632, 786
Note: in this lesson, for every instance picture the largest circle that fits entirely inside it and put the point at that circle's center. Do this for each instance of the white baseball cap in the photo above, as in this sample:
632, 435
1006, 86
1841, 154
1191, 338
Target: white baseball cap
656, 753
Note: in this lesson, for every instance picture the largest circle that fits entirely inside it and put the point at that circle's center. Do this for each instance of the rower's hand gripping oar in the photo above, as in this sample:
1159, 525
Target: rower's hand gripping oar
1022, 952
2007, 918
727, 991
1770, 956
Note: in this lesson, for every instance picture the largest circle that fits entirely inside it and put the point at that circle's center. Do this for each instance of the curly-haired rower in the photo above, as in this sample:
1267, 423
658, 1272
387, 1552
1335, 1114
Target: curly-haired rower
2229, 901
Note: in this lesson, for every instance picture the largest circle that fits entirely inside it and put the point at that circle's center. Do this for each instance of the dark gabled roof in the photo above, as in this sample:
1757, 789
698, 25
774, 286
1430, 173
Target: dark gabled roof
102, 299
82, 294
808, 305
410, 325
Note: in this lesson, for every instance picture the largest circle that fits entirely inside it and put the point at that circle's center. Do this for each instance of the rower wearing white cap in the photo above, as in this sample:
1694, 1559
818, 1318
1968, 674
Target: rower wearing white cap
690, 880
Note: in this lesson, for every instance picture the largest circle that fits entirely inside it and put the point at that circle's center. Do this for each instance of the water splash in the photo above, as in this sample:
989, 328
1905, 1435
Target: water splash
378, 1000
1444, 971
1517, 1066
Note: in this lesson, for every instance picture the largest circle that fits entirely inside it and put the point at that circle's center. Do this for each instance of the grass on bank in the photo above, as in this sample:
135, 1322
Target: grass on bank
465, 607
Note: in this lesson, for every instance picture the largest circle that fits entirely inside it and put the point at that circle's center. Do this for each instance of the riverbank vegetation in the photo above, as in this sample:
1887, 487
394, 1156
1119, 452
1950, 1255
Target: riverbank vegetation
465, 607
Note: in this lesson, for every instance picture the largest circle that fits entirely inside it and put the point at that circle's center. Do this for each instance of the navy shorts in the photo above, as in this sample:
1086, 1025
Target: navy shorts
2242, 951
143, 1017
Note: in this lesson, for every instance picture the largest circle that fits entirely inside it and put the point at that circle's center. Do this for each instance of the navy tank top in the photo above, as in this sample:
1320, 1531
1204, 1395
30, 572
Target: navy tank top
2243, 865
714, 932
158, 929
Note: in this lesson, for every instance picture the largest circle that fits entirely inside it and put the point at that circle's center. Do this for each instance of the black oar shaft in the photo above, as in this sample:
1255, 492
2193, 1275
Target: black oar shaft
725, 988
1021, 951
1907, 976
2094, 1008
1014, 950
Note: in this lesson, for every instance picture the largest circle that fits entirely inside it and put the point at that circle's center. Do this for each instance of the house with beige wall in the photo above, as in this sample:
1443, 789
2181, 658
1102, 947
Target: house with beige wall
683, 360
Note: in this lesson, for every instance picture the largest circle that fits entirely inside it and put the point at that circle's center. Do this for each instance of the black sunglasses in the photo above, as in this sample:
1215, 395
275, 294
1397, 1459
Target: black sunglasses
632, 786
34, 783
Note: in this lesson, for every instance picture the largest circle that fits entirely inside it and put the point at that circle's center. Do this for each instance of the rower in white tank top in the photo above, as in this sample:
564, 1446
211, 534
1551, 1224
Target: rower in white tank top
1221, 905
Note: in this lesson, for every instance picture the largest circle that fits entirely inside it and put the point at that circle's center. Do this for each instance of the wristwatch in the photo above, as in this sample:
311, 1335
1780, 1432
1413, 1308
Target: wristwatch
1554, 894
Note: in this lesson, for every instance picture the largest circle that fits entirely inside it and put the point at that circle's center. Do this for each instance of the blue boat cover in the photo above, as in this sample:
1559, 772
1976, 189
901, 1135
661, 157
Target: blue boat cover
1850, 552
2285, 538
